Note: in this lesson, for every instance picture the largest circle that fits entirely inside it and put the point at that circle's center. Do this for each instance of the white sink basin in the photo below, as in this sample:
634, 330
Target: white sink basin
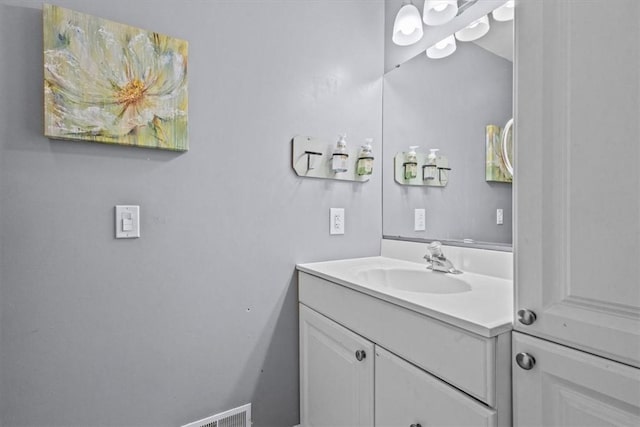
415, 280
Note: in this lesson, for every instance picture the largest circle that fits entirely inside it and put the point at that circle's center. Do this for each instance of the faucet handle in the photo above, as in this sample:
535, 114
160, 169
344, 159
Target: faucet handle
435, 248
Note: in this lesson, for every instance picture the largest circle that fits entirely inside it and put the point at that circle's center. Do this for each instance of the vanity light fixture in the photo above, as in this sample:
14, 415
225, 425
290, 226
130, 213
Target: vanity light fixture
443, 48
475, 30
438, 12
504, 12
407, 28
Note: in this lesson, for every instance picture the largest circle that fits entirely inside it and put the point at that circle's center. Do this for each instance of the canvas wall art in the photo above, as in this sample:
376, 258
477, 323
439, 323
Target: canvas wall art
113, 83
496, 168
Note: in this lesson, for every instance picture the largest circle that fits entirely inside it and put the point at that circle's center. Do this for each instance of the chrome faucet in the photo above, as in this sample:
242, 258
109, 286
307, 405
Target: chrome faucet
437, 260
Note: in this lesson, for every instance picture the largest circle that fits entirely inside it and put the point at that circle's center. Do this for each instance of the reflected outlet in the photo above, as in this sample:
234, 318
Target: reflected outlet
419, 220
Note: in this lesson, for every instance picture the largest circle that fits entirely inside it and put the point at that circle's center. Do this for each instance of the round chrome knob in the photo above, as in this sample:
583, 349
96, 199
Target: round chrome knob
525, 361
526, 317
360, 355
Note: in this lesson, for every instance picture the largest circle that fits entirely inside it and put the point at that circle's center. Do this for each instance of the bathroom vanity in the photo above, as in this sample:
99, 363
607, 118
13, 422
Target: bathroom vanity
387, 342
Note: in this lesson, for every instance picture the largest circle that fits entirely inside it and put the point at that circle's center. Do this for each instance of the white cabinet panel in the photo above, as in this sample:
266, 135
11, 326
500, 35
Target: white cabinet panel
336, 389
577, 184
406, 395
567, 387
461, 358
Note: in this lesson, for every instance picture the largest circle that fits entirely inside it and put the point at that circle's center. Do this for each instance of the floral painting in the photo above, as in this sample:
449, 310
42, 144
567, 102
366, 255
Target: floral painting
496, 165
112, 83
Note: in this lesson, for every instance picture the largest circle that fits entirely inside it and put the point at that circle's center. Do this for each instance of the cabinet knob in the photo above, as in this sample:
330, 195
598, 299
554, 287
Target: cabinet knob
526, 317
415, 425
360, 355
525, 361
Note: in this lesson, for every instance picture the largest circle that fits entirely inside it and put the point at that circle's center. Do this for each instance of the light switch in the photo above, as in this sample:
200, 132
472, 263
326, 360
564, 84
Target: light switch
499, 216
127, 222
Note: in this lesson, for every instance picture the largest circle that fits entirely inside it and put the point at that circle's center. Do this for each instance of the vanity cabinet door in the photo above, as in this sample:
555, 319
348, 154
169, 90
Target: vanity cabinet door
336, 374
577, 198
406, 395
565, 387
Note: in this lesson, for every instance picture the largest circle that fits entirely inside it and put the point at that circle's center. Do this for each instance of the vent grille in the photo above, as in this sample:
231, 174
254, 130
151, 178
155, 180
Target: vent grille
237, 417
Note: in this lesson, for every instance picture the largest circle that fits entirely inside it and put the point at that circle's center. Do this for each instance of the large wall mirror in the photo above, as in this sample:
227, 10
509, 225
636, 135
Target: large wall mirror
447, 104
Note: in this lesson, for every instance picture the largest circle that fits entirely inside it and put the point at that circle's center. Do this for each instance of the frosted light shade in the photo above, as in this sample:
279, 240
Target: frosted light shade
438, 12
475, 30
504, 12
407, 28
443, 48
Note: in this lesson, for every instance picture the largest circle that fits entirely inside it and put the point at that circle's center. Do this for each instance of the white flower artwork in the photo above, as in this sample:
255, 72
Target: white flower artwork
112, 83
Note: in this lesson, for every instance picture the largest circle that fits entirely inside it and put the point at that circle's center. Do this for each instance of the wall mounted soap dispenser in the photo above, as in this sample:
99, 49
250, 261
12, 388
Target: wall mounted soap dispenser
430, 169
314, 158
340, 157
411, 163
365, 160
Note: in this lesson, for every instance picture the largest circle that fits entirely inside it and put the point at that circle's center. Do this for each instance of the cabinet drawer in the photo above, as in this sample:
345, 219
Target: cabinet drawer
460, 358
406, 395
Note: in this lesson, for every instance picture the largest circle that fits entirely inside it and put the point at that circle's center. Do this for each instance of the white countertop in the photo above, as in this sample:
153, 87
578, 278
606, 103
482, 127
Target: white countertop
486, 309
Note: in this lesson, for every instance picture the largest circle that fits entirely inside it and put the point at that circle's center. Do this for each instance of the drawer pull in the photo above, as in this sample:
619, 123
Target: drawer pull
360, 355
526, 317
525, 361
415, 425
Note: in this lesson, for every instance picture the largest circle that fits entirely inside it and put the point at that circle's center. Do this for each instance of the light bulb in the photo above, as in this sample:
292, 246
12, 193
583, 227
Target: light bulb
440, 7
475, 30
406, 28
441, 44
443, 48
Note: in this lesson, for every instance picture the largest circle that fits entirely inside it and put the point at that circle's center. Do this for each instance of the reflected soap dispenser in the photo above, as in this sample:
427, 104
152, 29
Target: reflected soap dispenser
365, 160
340, 157
430, 169
411, 163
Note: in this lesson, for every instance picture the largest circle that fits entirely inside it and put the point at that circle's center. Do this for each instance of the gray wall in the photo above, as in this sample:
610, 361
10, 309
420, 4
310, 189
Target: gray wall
446, 104
200, 314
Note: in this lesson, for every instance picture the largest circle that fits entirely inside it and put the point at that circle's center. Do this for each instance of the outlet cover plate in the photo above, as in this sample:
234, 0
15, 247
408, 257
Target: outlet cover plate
336, 221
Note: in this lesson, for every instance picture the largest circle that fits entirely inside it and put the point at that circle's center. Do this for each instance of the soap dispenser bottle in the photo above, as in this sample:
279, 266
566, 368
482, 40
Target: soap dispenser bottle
340, 156
411, 163
365, 160
430, 169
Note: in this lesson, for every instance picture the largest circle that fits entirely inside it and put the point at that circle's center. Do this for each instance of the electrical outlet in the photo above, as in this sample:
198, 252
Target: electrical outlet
336, 221
419, 220
499, 217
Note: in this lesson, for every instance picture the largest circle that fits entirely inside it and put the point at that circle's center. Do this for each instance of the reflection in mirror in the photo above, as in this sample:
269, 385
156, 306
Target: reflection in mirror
447, 104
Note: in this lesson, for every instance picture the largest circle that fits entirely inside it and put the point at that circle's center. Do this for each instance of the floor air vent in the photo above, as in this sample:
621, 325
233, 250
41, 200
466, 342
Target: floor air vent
237, 417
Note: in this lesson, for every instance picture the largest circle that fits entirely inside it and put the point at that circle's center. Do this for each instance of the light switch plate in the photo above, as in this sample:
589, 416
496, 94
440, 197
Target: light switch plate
127, 222
499, 216
419, 220
336, 221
